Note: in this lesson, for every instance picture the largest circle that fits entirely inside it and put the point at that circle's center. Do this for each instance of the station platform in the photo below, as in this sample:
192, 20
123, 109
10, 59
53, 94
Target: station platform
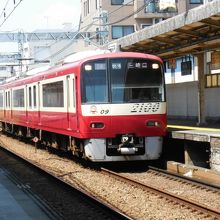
201, 143
15, 203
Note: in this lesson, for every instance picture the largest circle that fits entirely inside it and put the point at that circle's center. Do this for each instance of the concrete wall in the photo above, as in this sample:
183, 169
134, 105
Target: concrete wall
182, 101
212, 103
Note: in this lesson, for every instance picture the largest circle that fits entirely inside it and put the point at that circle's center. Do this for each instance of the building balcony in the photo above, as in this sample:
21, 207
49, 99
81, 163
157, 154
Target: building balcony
155, 8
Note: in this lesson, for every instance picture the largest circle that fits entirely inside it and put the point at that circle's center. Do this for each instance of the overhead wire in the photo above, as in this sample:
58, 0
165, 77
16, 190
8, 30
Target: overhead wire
80, 29
92, 23
3, 12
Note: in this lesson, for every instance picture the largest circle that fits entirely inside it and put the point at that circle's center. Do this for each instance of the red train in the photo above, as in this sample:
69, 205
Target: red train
105, 107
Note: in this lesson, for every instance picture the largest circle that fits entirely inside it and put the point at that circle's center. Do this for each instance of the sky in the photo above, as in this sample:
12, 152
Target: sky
31, 15
39, 14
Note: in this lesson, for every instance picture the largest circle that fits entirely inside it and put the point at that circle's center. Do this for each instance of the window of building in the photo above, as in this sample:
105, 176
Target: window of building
2, 68
53, 94
117, 2
196, 1
18, 98
122, 2
145, 25
86, 8
120, 31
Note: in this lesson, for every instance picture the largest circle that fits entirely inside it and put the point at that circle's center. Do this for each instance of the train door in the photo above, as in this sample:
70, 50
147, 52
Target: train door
32, 104
8, 105
71, 102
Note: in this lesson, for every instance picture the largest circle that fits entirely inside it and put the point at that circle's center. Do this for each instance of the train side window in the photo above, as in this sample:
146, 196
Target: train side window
53, 94
18, 98
29, 97
6, 99
74, 93
34, 96
1, 100
9, 100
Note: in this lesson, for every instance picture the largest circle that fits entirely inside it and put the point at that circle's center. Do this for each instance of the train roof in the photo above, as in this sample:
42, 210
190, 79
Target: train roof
74, 61
107, 54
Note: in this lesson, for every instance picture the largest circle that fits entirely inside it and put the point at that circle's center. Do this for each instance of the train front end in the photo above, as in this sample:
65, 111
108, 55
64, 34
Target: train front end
123, 108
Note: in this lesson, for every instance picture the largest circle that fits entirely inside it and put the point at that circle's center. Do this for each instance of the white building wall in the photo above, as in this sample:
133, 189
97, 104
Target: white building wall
182, 101
212, 100
177, 77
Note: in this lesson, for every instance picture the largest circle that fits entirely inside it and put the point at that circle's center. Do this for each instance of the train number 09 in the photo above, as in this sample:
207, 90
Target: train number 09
104, 111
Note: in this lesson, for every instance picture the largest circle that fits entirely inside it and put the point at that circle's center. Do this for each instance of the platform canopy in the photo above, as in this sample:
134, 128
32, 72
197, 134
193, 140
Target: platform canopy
191, 32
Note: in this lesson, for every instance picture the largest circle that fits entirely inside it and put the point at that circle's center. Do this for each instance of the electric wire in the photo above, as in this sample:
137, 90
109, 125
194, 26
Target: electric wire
6, 18
82, 28
125, 18
3, 11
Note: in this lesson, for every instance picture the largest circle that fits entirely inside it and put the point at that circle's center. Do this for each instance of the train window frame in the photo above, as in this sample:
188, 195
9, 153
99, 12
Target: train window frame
12, 98
35, 96
2, 102
29, 97
32, 96
8, 98
71, 92
49, 81
106, 94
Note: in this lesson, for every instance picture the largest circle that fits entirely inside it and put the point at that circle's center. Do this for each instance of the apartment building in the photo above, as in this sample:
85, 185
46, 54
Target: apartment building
106, 20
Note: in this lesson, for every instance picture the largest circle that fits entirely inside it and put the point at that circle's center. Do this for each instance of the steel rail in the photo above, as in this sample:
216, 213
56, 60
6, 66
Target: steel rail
171, 196
202, 183
115, 211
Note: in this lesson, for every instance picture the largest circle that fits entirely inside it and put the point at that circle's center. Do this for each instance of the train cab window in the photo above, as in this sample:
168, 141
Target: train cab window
94, 82
1, 100
53, 94
136, 80
18, 98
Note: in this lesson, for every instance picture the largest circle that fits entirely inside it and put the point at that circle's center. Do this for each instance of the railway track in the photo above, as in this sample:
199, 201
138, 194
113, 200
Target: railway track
202, 210
131, 199
93, 206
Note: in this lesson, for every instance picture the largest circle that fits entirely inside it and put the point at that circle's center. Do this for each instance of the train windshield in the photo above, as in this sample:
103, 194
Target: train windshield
122, 80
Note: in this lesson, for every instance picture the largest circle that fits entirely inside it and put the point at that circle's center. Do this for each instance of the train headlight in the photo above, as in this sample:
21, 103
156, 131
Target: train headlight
155, 66
97, 125
88, 67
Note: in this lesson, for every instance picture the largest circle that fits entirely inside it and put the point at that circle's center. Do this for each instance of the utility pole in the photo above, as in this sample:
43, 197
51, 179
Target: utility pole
20, 51
104, 30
